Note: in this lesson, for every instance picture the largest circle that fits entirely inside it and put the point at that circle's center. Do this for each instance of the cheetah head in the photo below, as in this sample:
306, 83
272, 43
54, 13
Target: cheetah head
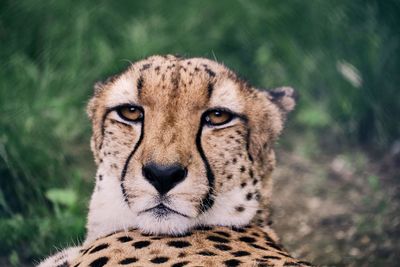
181, 143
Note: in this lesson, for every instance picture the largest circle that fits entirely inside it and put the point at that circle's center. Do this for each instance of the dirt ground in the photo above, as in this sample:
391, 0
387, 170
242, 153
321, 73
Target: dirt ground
338, 210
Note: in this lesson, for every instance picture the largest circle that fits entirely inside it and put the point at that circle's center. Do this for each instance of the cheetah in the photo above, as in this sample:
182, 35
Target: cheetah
184, 155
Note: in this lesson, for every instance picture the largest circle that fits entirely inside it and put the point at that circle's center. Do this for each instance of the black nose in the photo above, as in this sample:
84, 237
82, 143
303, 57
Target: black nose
162, 177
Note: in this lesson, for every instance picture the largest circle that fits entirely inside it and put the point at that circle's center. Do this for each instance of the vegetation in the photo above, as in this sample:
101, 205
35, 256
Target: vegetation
342, 56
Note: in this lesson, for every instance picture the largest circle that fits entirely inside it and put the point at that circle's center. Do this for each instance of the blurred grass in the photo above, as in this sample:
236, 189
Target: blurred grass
340, 55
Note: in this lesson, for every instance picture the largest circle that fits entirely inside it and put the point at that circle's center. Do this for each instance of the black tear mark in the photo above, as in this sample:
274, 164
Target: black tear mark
124, 170
208, 201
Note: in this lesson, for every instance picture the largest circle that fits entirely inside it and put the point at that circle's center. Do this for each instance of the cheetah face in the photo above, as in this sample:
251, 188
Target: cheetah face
179, 143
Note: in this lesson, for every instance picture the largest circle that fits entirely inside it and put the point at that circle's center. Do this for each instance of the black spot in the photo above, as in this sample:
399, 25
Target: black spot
128, 261
210, 72
239, 209
251, 173
255, 234
204, 228
239, 230
179, 244
255, 181
98, 248
156, 238
223, 233
181, 255
84, 251
232, 262
229, 177
283, 254
249, 196
141, 244
271, 258
247, 239
159, 260
274, 245
210, 89
218, 239
240, 253
124, 239
99, 262
64, 264
145, 66
258, 247
157, 68
222, 247
139, 84
183, 234
146, 234
206, 253
234, 160
100, 177
180, 264
268, 238
242, 185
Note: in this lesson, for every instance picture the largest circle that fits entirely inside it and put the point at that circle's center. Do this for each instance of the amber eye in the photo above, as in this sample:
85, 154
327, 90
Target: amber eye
218, 117
130, 113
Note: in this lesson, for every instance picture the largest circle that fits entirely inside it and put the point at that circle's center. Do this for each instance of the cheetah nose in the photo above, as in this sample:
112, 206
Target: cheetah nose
162, 177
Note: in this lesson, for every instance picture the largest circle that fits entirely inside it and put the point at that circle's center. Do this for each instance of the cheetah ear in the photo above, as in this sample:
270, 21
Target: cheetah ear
268, 114
284, 97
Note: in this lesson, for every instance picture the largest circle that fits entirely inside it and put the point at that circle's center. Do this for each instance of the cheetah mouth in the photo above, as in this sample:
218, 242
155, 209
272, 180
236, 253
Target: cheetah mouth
163, 211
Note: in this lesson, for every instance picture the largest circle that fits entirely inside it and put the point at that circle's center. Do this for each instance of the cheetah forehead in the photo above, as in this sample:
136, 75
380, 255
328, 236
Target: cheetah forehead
197, 82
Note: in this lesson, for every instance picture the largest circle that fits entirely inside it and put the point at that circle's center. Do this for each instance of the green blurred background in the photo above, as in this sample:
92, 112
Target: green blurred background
341, 56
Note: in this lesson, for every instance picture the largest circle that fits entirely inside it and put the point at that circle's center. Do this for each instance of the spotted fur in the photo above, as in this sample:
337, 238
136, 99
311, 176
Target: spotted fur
228, 166
210, 246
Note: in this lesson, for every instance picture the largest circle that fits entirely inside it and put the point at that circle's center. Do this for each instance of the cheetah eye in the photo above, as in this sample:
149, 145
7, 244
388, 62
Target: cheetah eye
217, 117
130, 113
